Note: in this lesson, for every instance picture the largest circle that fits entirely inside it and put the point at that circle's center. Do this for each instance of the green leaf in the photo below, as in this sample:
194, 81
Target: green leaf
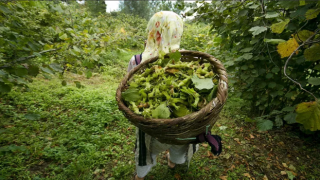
291, 176
243, 12
37, 54
288, 109
257, 30
272, 85
161, 112
131, 94
247, 56
21, 71
64, 83
269, 75
33, 70
175, 56
88, 74
46, 70
308, 114
312, 53
312, 13
290, 118
317, 67
5, 9
182, 111
279, 27
4, 88
78, 84
63, 37
202, 83
314, 81
76, 49
264, 125
275, 69
32, 116
303, 35
274, 41
248, 49
272, 14
56, 67
254, 6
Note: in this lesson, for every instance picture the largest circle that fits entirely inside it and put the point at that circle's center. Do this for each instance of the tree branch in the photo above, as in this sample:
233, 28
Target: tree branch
285, 66
26, 58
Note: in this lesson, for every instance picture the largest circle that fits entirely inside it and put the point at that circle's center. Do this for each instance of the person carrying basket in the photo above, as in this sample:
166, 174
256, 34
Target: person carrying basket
165, 30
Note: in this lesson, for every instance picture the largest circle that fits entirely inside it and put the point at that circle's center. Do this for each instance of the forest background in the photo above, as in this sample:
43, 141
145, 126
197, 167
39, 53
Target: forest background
61, 61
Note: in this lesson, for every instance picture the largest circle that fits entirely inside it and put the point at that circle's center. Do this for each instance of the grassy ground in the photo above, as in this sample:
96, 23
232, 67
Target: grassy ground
80, 134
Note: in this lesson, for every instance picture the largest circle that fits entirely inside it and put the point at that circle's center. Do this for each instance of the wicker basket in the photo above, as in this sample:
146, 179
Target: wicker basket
179, 130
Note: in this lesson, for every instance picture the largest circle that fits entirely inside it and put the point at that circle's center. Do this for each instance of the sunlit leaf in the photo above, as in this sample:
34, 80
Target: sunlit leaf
175, 56
285, 49
63, 37
182, 111
202, 83
272, 14
257, 30
274, 41
56, 67
161, 112
312, 13
308, 114
279, 27
312, 53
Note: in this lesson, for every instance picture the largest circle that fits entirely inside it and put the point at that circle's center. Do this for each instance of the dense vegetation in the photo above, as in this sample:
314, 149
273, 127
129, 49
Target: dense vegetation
60, 64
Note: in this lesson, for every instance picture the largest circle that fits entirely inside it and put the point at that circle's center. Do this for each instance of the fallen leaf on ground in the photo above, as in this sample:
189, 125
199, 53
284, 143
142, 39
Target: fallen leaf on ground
177, 176
247, 175
285, 165
223, 177
265, 177
283, 173
292, 167
251, 136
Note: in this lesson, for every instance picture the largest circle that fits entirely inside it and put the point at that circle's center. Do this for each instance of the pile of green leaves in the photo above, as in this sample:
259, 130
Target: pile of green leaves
171, 88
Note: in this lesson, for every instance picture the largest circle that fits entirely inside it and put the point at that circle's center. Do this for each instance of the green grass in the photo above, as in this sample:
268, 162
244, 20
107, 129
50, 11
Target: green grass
81, 134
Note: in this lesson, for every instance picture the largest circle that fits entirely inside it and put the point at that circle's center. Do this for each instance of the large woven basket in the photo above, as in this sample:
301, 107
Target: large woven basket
179, 130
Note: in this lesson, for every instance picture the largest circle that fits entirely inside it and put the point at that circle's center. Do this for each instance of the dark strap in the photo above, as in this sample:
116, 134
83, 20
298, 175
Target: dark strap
142, 149
213, 140
138, 58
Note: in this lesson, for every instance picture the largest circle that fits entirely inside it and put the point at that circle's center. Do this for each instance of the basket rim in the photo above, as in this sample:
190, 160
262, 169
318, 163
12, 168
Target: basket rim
213, 102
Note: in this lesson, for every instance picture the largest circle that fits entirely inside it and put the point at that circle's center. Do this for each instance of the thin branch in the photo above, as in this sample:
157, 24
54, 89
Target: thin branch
285, 66
26, 58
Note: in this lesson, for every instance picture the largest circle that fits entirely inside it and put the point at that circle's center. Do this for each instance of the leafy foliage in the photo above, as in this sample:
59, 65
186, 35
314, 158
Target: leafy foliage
308, 114
253, 38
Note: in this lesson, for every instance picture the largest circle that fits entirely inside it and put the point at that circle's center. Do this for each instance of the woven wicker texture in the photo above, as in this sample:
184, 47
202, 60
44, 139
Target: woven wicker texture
171, 131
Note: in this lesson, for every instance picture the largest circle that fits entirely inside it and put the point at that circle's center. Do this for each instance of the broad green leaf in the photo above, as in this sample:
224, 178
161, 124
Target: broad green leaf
46, 70
88, 74
63, 37
314, 81
290, 118
37, 54
64, 83
4, 87
317, 67
243, 12
5, 9
33, 70
274, 41
312, 13
32, 116
272, 14
76, 49
257, 30
288, 109
264, 125
182, 111
202, 83
131, 94
312, 53
303, 35
308, 114
269, 75
291, 176
46, 76
275, 69
21, 71
285, 49
175, 56
161, 112
248, 49
279, 27
56, 67
247, 56
254, 6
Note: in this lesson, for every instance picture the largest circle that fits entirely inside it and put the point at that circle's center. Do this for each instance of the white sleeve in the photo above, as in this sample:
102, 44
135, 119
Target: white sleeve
131, 65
